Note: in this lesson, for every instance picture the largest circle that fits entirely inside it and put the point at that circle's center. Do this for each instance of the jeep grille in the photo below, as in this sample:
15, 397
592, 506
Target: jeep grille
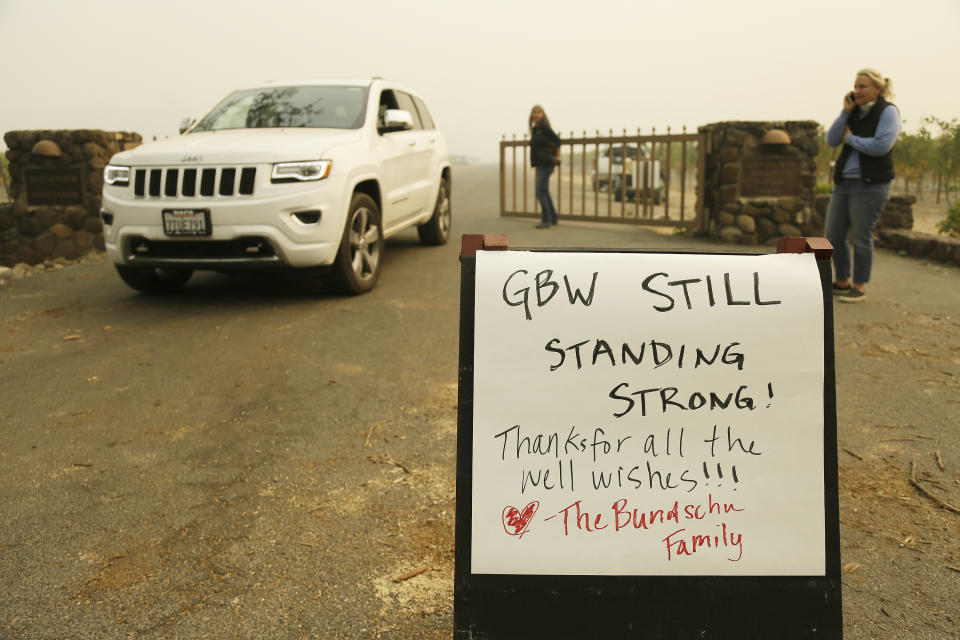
176, 181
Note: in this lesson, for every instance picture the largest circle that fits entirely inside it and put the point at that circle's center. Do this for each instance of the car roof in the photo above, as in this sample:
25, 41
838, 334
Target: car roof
333, 82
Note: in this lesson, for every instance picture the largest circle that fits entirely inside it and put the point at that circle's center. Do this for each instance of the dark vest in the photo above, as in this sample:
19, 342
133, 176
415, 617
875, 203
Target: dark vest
872, 168
543, 146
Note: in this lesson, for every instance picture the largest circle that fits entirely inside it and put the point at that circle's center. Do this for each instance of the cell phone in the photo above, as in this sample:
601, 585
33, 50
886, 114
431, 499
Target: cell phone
850, 97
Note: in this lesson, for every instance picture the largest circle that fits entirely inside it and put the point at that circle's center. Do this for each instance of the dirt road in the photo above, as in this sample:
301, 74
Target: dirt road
244, 459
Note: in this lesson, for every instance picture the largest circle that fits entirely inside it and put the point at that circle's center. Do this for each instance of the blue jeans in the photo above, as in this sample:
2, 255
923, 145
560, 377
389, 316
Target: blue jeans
852, 215
548, 213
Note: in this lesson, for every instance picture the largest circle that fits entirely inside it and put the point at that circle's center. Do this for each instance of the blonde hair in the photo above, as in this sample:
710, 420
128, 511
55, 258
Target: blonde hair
884, 85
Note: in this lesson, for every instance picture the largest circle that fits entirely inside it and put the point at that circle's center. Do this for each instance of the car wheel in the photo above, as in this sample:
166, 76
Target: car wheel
153, 279
657, 196
436, 230
357, 267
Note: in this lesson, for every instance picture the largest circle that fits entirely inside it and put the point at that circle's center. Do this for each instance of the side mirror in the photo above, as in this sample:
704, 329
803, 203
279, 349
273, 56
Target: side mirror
186, 123
397, 120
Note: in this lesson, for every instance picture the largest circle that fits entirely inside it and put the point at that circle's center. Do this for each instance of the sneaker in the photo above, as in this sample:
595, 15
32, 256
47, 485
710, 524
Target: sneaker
838, 290
853, 295
542, 226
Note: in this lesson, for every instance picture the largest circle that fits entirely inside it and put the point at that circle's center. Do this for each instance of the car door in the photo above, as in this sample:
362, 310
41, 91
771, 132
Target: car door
392, 150
419, 155
436, 149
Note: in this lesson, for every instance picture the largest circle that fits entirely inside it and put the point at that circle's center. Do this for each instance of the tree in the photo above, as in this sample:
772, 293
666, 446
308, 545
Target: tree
826, 155
945, 154
911, 156
4, 176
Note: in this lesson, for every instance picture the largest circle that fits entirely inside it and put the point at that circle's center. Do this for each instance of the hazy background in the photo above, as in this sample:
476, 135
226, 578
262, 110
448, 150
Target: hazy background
143, 66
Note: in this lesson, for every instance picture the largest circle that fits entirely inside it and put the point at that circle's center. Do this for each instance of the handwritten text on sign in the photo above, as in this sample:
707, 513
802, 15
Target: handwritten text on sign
648, 414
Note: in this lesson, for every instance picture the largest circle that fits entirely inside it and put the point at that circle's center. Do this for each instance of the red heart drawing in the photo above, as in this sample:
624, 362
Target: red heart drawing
515, 523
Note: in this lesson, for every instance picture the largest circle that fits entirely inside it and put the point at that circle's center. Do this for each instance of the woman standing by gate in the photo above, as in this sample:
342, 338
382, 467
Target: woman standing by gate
544, 156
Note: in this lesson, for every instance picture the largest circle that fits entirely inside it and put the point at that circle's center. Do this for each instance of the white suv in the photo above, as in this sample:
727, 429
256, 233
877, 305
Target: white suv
312, 174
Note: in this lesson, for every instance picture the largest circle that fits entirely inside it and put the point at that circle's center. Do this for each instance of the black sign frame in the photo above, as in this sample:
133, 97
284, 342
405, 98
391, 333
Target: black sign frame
583, 607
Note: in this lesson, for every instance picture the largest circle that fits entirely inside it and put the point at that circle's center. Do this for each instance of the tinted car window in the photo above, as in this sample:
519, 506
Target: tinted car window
424, 114
316, 107
618, 152
405, 100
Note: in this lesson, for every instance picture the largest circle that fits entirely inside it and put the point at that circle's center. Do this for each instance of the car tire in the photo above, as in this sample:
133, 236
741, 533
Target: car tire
357, 266
436, 231
657, 196
153, 280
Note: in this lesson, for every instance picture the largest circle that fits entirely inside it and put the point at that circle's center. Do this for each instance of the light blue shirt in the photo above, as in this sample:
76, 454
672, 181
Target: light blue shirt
888, 128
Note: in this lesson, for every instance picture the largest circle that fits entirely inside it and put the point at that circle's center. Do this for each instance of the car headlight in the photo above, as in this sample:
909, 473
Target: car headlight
300, 171
116, 175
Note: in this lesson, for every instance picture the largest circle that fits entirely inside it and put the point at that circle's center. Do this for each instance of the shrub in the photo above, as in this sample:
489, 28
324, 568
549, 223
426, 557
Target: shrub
951, 224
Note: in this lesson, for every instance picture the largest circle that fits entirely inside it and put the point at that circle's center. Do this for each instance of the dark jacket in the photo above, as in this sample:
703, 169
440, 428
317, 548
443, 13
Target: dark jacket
872, 168
543, 146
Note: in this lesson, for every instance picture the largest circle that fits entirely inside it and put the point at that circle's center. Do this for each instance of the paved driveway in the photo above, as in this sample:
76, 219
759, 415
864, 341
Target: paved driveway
245, 459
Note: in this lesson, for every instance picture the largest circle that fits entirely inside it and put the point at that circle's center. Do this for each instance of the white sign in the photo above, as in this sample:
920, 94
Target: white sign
648, 414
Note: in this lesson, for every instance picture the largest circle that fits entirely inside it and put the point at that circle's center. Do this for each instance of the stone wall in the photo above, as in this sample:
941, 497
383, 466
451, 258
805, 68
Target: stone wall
734, 216
894, 231
897, 214
928, 246
31, 232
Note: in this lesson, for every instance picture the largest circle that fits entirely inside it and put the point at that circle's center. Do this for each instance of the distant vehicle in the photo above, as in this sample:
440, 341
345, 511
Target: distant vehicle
637, 173
296, 175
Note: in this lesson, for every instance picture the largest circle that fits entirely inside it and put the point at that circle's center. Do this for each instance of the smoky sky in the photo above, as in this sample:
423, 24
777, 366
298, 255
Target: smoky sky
480, 67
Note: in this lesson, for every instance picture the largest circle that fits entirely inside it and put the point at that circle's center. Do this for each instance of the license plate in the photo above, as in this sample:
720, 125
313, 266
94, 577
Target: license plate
186, 222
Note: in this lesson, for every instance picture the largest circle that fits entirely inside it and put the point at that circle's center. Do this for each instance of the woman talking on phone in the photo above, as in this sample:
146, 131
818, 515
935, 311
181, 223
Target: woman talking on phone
867, 128
544, 146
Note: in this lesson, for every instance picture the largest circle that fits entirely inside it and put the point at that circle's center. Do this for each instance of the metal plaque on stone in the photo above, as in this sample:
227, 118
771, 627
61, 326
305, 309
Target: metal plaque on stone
770, 175
53, 185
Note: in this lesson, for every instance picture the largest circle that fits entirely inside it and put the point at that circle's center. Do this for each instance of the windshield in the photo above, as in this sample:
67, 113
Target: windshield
319, 107
618, 152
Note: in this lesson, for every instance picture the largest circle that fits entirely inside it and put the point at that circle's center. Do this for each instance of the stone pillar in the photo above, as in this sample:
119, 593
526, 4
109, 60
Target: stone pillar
756, 191
56, 183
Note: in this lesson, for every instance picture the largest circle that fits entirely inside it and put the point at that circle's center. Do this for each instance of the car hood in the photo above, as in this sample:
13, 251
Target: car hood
239, 146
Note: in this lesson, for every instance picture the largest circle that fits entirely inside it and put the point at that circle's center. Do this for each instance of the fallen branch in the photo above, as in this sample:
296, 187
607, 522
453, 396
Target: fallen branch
934, 483
366, 441
957, 569
940, 460
387, 460
411, 574
919, 487
855, 455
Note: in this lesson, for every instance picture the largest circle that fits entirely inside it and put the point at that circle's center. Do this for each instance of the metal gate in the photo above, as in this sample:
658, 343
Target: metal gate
632, 179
